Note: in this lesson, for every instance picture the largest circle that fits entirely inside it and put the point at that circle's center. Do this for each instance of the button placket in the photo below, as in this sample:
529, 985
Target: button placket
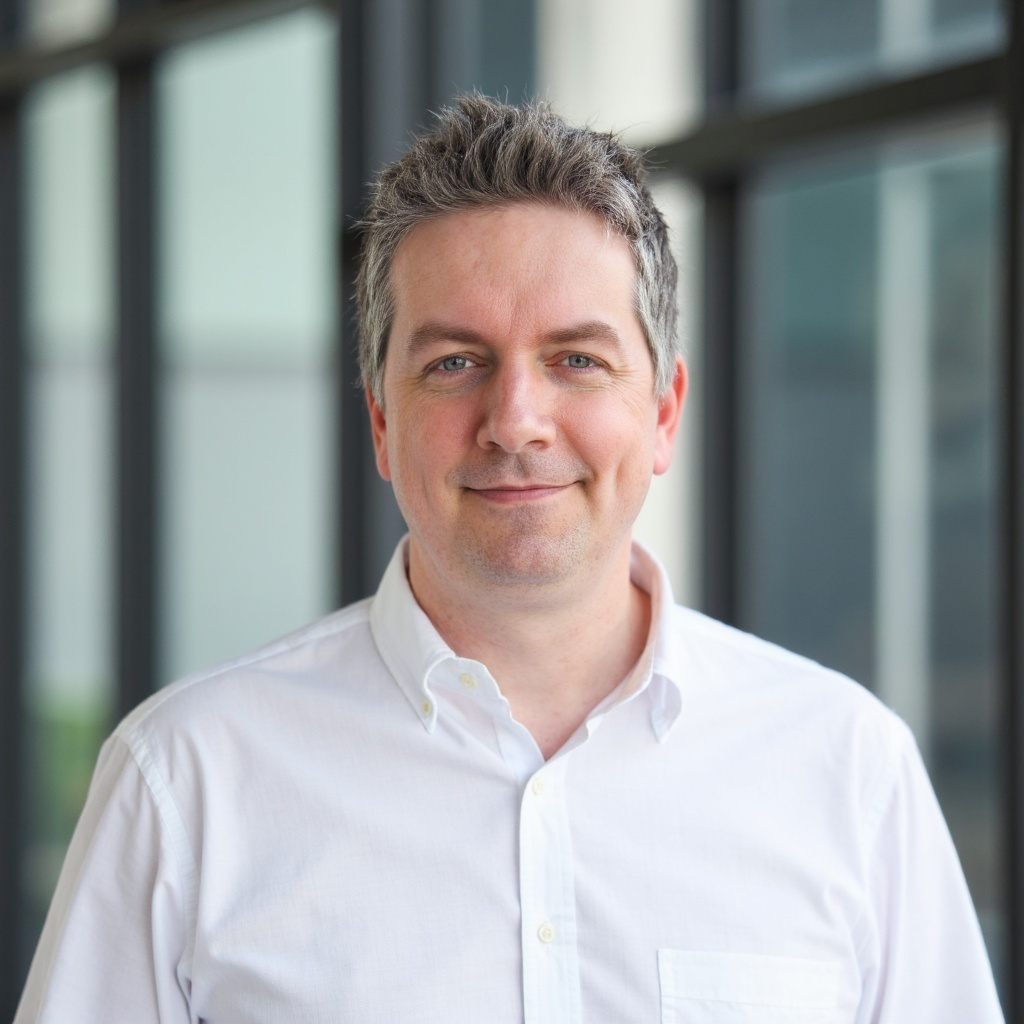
550, 959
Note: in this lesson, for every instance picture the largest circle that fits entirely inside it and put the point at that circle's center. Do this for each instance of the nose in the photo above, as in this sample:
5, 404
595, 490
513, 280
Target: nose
517, 411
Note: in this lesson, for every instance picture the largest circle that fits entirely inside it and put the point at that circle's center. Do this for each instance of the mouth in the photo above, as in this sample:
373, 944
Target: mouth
511, 494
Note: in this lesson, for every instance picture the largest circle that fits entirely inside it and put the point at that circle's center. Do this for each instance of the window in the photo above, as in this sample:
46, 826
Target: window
247, 325
868, 492
803, 47
70, 691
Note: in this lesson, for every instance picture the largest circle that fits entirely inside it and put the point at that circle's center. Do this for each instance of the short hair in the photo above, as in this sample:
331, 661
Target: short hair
483, 153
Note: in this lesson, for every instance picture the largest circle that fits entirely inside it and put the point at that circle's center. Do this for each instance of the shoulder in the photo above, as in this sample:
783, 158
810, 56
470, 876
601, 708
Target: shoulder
221, 747
787, 708
729, 659
318, 657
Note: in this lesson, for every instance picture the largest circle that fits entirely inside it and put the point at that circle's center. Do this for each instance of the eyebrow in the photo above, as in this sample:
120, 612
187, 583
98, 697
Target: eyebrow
589, 330
434, 331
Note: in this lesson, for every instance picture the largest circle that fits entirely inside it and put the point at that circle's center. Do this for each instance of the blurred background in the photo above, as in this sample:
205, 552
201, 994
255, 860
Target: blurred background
184, 463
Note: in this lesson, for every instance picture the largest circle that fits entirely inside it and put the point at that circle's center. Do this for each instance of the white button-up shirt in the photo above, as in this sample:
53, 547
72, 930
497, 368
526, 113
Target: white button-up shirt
350, 825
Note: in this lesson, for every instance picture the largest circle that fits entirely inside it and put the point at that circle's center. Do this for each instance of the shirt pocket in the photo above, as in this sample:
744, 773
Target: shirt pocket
746, 988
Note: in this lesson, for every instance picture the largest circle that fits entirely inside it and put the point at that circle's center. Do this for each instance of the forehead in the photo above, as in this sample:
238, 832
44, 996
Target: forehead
522, 265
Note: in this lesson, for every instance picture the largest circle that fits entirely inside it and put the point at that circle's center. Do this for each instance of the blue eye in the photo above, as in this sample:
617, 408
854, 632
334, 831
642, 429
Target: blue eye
453, 363
579, 362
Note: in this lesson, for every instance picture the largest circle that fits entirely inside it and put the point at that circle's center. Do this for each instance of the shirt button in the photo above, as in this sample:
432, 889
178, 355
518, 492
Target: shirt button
427, 708
538, 787
468, 681
546, 933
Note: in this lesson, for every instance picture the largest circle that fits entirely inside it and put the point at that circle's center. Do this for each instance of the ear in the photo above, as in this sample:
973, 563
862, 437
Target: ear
379, 428
670, 411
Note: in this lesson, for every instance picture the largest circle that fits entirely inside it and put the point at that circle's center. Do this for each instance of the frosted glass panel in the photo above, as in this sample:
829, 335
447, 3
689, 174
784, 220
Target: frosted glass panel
70, 125
248, 122
248, 497
247, 325
70, 688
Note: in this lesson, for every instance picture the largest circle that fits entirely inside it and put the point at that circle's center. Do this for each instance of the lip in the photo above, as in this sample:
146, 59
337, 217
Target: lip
518, 493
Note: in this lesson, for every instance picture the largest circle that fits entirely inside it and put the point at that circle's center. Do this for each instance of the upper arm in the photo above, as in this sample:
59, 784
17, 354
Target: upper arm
115, 943
925, 954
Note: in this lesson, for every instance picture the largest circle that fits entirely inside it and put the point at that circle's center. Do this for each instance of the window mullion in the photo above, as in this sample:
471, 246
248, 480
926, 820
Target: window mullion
138, 461
13, 379
1011, 378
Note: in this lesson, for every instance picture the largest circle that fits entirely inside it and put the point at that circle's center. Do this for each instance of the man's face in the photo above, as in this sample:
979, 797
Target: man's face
519, 425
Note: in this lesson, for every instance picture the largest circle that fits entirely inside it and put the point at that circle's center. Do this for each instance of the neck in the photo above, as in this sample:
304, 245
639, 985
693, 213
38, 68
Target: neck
556, 651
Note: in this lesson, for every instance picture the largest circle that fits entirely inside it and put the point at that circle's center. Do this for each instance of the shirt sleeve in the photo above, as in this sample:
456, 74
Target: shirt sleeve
928, 960
115, 941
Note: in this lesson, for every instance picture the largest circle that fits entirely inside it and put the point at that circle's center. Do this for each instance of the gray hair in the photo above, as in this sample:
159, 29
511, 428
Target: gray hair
484, 153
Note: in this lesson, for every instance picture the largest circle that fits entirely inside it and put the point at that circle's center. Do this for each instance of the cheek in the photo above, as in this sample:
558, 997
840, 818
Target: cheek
617, 441
429, 444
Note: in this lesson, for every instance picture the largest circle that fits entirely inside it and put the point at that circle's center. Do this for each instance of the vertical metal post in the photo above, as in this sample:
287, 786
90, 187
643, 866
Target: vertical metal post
1011, 378
354, 454
721, 34
138, 462
719, 525
719, 519
12, 563
13, 528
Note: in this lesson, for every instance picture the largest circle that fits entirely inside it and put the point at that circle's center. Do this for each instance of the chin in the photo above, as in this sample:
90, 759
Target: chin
525, 561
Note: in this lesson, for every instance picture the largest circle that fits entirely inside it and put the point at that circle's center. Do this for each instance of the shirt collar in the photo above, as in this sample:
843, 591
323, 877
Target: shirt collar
663, 650
412, 648
408, 642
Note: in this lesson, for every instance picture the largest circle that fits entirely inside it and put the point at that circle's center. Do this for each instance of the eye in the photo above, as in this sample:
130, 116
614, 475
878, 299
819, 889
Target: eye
578, 361
452, 364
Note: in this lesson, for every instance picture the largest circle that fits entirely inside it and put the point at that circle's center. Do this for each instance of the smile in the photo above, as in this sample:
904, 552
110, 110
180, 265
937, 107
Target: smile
517, 493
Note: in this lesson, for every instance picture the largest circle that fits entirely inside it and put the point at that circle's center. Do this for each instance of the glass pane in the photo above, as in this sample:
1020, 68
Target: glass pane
812, 356
247, 323
62, 22
804, 46
69, 147
868, 480
633, 68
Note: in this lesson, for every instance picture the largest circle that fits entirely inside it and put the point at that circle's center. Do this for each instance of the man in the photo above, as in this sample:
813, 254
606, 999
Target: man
519, 783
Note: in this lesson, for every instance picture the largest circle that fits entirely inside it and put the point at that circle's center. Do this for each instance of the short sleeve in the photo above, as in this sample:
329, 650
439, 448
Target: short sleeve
927, 960
114, 944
